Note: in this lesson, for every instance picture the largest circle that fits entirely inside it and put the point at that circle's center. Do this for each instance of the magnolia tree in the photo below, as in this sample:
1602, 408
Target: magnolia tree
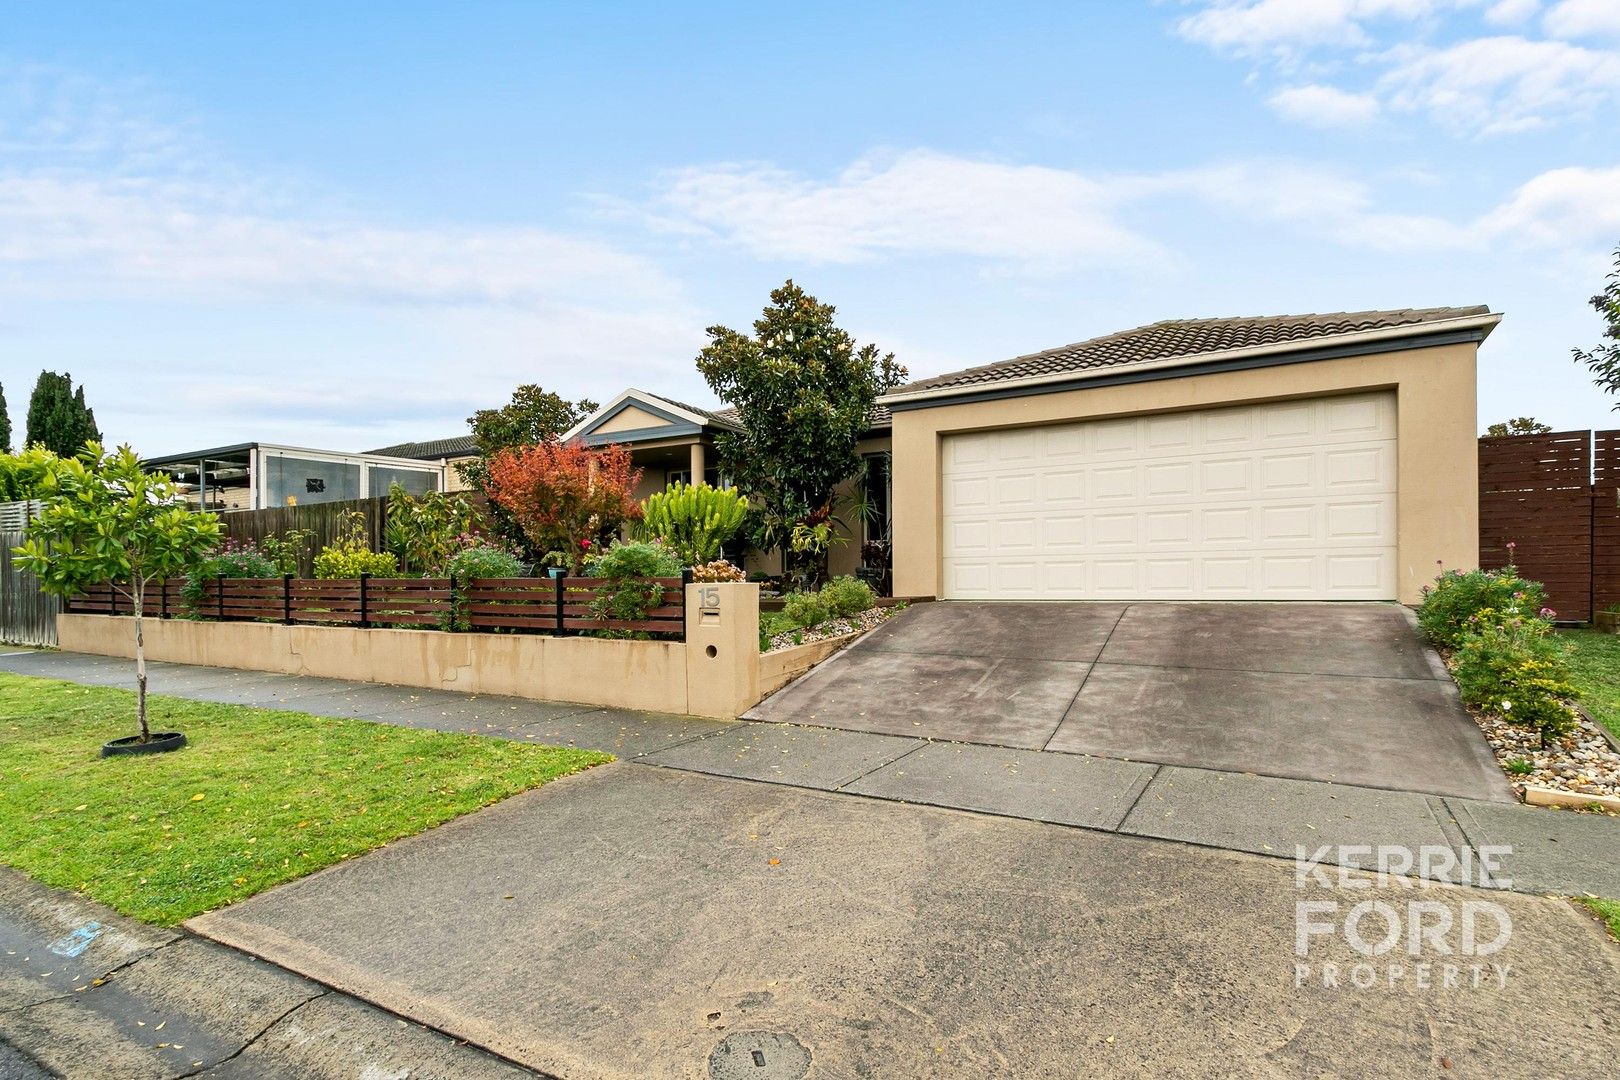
107, 521
566, 496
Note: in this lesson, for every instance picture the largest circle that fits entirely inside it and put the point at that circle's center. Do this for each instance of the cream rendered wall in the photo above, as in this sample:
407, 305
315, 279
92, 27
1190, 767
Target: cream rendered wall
1437, 504
630, 419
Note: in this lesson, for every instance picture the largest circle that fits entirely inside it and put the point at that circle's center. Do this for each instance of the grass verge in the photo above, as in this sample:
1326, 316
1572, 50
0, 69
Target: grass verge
1608, 911
1595, 669
259, 796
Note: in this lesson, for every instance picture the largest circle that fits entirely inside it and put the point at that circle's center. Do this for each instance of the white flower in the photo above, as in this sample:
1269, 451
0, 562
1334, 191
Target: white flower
1507, 706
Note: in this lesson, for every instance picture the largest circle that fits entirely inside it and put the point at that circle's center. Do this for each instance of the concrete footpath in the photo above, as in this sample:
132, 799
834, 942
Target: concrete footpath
87, 992
1552, 851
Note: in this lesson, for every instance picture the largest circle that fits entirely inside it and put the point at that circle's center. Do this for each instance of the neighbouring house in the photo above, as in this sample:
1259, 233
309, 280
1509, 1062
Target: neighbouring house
1295, 457
254, 476
446, 453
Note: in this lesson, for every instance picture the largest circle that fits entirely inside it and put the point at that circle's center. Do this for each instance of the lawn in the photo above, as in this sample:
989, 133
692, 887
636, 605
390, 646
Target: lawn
1608, 911
1595, 667
258, 797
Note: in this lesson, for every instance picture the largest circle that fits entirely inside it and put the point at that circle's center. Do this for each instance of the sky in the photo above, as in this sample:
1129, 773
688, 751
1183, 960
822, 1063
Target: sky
344, 225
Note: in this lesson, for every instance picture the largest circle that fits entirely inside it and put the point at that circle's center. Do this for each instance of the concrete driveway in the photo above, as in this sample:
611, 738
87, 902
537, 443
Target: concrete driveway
1346, 693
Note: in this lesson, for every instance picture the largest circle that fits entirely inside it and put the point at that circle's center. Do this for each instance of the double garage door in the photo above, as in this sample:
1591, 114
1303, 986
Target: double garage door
1285, 501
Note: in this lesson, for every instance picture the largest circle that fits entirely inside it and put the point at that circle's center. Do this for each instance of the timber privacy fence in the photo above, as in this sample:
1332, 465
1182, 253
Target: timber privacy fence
563, 605
1556, 499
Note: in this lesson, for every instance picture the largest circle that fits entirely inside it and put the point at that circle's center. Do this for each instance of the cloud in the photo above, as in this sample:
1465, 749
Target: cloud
1250, 27
1577, 18
917, 203
1420, 57
1511, 12
1324, 106
1048, 220
1500, 84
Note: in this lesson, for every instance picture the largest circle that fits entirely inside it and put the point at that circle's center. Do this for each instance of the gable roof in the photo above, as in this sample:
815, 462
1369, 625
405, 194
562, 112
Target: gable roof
430, 449
677, 419
1177, 341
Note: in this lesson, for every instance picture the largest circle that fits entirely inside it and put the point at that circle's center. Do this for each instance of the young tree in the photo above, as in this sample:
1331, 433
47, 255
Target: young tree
5, 424
565, 496
1519, 425
58, 417
803, 390
1604, 359
106, 520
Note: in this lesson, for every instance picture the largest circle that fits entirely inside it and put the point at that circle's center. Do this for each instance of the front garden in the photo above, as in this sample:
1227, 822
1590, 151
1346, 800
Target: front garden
259, 797
1522, 680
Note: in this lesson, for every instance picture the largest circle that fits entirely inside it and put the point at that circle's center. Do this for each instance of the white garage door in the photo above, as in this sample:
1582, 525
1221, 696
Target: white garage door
1293, 500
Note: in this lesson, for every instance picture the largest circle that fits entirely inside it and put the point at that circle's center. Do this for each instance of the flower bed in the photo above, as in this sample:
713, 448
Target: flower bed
1582, 762
848, 624
1495, 632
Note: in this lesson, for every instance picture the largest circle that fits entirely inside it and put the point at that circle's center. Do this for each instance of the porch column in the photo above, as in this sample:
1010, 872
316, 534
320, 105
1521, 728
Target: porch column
697, 463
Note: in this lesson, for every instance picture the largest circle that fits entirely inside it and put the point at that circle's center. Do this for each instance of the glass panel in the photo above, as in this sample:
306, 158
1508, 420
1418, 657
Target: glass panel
877, 497
295, 481
414, 481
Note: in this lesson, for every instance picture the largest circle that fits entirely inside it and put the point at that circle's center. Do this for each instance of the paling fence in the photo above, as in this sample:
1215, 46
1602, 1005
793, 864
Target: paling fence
535, 605
1556, 499
27, 613
321, 520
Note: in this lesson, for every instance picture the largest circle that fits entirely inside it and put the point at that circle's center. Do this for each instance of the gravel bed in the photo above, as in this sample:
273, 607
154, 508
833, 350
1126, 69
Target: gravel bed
1582, 762
866, 620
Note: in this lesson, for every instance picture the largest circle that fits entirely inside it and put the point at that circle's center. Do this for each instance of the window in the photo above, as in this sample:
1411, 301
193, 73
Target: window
711, 476
875, 496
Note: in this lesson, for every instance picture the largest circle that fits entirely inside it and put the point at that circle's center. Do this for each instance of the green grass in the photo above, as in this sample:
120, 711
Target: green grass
1608, 911
259, 797
1595, 669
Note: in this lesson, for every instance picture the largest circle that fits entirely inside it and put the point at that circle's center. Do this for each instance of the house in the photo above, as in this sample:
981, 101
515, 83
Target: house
1308, 457
446, 453
254, 476
1296, 457
670, 441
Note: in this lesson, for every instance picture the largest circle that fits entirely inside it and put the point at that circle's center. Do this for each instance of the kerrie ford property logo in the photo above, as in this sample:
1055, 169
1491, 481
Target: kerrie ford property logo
1414, 933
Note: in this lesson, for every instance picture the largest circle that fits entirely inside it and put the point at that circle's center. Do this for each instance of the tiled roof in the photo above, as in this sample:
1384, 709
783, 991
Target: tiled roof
459, 446
878, 418
727, 417
1185, 337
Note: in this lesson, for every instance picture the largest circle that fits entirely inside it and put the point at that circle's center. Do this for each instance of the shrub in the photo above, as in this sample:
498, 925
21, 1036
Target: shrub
349, 555
1457, 596
804, 609
23, 474
232, 560
565, 496
424, 532
629, 596
695, 520
287, 548
481, 561
1512, 667
718, 570
846, 596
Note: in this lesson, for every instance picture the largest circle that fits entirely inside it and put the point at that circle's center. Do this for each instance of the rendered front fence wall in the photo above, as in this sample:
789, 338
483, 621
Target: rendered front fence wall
661, 676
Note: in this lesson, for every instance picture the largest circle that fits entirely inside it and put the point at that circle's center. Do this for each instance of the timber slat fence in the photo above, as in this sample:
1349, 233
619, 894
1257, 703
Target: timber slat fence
1556, 498
537, 605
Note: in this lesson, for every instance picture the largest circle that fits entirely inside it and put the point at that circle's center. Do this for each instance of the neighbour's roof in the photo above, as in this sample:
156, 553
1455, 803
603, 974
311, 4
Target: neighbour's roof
1174, 338
455, 446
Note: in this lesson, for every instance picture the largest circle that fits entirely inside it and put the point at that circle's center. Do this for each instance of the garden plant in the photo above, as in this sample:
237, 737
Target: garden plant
695, 520
567, 497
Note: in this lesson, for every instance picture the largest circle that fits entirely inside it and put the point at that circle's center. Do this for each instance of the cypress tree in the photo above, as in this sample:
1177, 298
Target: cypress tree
58, 417
5, 424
